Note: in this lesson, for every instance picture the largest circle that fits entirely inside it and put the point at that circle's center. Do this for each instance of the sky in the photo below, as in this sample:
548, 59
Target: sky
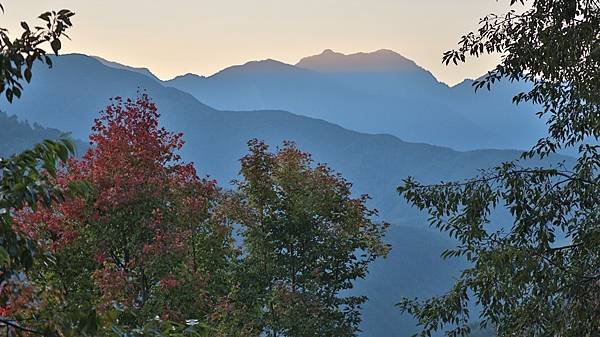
175, 37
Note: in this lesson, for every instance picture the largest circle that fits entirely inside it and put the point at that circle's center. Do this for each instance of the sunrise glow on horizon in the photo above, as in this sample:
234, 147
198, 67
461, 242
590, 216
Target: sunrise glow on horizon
203, 37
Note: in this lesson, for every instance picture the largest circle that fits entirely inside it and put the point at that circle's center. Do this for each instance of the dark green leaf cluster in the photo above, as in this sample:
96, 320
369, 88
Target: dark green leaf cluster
555, 45
536, 275
26, 179
25, 182
540, 274
18, 55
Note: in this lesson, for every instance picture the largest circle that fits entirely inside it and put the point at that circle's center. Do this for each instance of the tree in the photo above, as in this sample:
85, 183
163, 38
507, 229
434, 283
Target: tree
46, 256
540, 274
25, 181
305, 241
146, 241
26, 178
22, 182
18, 55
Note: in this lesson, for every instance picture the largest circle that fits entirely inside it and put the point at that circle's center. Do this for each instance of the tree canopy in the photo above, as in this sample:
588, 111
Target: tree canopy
306, 240
149, 248
540, 274
144, 242
27, 178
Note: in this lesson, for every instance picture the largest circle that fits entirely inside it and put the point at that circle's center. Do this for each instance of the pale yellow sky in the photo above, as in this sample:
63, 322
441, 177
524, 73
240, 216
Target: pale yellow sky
201, 36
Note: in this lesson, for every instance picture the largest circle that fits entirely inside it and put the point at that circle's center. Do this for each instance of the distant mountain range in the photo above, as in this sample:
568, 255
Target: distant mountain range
69, 96
379, 92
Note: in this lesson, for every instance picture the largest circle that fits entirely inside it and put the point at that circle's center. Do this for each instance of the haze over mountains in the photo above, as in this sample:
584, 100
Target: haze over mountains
70, 95
17, 136
79, 86
378, 92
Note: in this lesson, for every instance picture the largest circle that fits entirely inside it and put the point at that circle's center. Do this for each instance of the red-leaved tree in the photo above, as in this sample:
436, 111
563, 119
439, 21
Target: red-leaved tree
148, 240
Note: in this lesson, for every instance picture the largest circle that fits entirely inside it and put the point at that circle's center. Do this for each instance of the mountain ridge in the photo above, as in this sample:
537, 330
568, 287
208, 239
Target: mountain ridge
412, 105
379, 60
117, 65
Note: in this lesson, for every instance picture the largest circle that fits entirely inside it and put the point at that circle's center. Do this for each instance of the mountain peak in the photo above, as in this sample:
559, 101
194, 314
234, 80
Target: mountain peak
116, 65
380, 60
267, 66
330, 52
388, 52
187, 77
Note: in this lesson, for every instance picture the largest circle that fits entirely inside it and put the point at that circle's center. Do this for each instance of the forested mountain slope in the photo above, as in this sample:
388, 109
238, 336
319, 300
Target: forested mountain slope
16, 135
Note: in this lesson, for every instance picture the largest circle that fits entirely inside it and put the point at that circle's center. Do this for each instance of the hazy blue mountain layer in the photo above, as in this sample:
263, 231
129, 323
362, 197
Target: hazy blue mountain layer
379, 92
78, 87
16, 135
70, 95
143, 71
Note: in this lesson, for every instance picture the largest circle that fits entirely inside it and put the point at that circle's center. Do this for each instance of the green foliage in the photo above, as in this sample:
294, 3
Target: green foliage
555, 46
160, 328
306, 240
18, 55
25, 181
540, 274
150, 244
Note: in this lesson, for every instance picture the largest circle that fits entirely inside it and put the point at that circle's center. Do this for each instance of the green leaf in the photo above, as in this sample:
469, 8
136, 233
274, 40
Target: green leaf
4, 257
56, 45
28, 75
9, 95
